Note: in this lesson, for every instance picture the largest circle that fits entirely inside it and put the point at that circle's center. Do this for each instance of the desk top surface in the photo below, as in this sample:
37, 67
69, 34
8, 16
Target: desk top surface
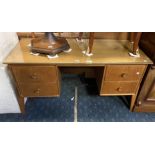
104, 52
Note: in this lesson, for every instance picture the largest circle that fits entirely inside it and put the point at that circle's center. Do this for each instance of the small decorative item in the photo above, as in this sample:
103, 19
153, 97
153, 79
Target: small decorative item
49, 44
89, 46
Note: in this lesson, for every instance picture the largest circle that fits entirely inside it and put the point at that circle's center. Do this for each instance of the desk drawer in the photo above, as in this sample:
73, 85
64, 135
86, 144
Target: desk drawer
27, 74
124, 72
38, 90
116, 88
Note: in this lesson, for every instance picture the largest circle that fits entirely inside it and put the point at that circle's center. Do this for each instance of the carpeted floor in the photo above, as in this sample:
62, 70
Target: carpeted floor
91, 107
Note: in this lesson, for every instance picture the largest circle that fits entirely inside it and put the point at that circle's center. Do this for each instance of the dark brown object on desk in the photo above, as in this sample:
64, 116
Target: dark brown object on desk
49, 44
91, 41
134, 39
132, 36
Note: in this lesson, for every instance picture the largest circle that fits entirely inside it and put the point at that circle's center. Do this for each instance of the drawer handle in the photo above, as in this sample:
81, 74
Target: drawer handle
34, 76
119, 89
123, 75
37, 91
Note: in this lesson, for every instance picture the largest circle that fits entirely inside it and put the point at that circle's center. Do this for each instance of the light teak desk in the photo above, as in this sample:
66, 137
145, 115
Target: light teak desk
117, 73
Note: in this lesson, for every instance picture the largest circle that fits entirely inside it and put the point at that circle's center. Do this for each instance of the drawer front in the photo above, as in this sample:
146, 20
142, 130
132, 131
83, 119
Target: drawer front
26, 74
38, 90
116, 88
124, 72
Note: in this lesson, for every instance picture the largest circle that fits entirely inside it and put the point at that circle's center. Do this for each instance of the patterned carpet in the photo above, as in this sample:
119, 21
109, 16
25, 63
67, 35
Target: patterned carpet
91, 107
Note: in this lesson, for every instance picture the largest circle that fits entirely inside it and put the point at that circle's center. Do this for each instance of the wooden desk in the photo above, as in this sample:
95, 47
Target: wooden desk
117, 73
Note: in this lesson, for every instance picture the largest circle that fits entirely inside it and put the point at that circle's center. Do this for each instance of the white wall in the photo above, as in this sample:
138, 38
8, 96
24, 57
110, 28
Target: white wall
8, 40
8, 101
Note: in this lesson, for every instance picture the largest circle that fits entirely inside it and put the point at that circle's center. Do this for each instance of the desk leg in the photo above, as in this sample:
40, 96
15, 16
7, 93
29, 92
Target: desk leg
21, 103
133, 99
19, 98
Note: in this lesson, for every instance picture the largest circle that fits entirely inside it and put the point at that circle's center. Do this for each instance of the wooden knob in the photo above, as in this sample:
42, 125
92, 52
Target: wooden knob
119, 89
37, 91
34, 76
123, 75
